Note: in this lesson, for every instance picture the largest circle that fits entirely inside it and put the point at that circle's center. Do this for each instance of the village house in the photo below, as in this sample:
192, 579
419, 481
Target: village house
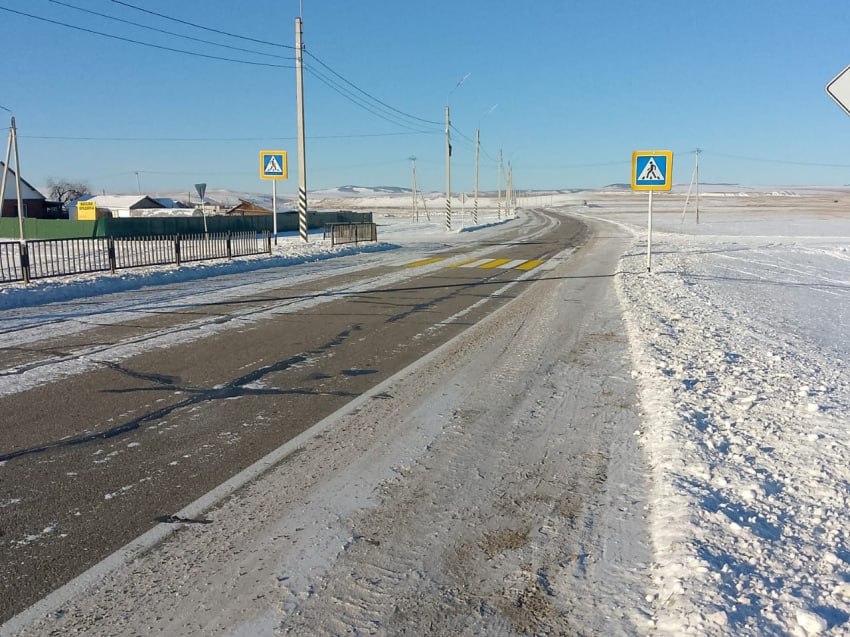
35, 204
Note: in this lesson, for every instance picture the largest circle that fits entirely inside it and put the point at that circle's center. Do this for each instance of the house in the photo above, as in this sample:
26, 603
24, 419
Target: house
248, 208
121, 205
35, 204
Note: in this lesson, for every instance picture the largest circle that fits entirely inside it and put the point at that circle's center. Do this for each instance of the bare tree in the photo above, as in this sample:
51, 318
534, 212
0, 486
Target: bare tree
65, 190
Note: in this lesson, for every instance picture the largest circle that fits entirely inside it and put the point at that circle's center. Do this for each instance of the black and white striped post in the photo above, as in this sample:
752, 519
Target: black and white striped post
302, 157
448, 172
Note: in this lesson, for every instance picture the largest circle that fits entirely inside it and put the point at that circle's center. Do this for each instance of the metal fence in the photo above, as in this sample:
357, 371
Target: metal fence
43, 258
350, 232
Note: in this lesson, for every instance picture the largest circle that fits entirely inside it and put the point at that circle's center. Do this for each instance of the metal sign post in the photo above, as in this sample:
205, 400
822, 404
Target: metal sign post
202, 190
274, 165
651, 170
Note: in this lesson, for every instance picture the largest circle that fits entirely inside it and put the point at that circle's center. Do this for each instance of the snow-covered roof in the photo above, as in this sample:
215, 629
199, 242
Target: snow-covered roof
27, 191
114, 202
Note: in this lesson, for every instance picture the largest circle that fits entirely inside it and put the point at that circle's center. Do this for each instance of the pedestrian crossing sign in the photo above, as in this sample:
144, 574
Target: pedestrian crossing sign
652, 170
273, 164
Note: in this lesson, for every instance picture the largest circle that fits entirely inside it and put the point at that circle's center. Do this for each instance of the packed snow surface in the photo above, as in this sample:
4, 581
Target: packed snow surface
740, 339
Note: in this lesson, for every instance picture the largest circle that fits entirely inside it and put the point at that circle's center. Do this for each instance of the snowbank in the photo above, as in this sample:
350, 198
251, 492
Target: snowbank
739, 345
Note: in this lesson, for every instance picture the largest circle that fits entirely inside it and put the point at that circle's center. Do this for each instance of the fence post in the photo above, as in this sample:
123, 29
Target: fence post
268, 242
25, 261
229, 251
177, 249
110, 251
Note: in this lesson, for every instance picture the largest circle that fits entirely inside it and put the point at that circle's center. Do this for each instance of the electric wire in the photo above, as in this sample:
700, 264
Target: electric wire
147, 44
370, 96
776, 161
172, 33
472, 141
199, 26
212, 139
341, 90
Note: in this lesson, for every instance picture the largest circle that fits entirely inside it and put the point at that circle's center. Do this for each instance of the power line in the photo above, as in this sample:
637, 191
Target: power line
216, 139
147, 44
172, 33
198, 26
387, 117
372, 97
777, 161
472, 141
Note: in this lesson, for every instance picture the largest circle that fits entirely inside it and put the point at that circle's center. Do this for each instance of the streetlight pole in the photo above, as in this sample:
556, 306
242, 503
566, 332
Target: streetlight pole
449, 155
302, 158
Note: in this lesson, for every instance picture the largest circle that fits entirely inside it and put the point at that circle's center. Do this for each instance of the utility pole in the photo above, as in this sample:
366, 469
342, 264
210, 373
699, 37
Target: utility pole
499, 191
138, 183
475, 201
448, 172
696, 170
302, 157
415, 206
6, 168
13, 145
694, 182
509, 194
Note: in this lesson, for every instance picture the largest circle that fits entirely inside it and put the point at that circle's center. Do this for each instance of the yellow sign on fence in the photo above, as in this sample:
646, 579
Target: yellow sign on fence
86, 211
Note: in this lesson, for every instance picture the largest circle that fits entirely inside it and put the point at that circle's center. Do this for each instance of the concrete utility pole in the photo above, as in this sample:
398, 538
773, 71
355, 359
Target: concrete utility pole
499, 191
13, 145
302, 156
509, 194
696, 170
475, 201
415, 206
448, 171
5, 171
694, 182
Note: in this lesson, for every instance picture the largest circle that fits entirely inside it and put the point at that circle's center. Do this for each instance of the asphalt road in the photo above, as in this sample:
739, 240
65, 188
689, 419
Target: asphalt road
94, 459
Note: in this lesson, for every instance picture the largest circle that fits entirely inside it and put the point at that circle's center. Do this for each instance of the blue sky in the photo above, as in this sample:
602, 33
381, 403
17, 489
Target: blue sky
579, 86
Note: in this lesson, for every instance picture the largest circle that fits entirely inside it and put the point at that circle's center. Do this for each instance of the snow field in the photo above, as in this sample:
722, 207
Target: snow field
739, 346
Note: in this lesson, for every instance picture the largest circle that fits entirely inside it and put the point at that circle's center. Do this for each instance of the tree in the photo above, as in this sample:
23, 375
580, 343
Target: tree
65, 190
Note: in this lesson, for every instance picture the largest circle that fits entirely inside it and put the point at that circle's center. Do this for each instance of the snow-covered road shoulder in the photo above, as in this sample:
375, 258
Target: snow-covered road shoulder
739, 346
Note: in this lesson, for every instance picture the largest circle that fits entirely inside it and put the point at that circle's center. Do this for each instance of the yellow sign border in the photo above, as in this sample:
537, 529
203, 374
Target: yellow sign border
285, 167
668, 178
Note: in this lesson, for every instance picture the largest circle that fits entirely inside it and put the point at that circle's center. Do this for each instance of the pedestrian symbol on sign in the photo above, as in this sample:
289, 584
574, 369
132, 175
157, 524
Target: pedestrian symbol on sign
651, 172
273, 166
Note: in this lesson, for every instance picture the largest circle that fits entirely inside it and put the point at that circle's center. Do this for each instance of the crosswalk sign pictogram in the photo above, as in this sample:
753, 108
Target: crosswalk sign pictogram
273, 164
652, 170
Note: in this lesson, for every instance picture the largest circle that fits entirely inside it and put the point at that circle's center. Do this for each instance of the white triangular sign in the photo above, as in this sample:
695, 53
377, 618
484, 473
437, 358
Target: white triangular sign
273, 167
651, 172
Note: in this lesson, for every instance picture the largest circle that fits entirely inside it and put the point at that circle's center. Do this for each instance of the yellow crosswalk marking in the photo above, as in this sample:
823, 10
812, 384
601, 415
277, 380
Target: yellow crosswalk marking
495, 263
422, 262
486, 264
459, 264
529, 265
